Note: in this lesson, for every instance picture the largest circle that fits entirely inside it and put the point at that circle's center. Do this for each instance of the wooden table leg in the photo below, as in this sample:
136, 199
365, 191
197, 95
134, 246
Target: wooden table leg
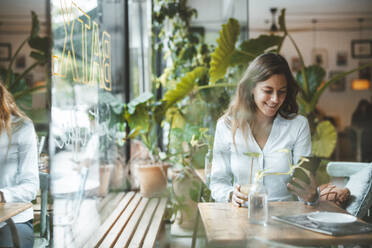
14, 232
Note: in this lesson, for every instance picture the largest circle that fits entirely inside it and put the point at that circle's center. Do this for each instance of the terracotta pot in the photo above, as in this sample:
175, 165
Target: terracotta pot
152, 179
104, 179
119, 180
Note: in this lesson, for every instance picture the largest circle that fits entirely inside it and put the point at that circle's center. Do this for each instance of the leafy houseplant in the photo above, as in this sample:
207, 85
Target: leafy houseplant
142, 115
185, 190
15, 82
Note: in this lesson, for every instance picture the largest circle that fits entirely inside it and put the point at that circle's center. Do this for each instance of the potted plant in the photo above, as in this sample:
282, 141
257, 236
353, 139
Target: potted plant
143, 115
186, 143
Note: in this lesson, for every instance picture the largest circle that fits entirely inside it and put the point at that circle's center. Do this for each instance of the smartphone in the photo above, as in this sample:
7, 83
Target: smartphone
311, 165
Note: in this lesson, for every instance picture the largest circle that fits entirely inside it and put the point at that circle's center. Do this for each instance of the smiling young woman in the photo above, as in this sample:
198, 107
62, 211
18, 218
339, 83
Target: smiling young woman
262, 119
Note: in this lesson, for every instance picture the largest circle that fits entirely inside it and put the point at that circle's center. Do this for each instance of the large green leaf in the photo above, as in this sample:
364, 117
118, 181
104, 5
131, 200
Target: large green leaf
315, 75
183, 87
41, 44
220, 58
137, 112
140, 119
282, 27
35, 28
143, 98
175, 118
254, 47
324, 139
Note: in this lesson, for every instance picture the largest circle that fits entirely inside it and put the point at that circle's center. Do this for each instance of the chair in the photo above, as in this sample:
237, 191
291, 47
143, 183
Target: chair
43, 239
357, 177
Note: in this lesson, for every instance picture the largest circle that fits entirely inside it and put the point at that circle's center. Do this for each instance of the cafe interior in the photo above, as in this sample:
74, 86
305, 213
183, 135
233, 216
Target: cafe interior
125, 96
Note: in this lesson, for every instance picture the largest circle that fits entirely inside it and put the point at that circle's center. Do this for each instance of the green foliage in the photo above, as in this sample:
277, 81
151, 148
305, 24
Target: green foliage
220, 58
184, 87
248, 50
324, 139
315, 76
144, 112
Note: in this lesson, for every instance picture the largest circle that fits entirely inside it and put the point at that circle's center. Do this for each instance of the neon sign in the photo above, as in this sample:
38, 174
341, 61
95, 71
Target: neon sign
95, 60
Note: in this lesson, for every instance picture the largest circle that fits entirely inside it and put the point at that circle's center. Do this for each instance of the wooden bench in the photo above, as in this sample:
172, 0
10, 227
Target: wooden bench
134, 222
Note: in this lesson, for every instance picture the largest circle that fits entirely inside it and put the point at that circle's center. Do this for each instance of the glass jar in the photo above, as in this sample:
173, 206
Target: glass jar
258, 212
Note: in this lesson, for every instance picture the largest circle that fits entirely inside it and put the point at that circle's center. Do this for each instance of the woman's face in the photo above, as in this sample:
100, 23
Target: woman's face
269, 95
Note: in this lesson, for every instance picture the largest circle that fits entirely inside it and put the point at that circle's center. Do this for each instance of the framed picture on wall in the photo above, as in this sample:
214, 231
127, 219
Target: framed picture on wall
338, 86
5, 51
319, 56
29, 78
361, 48
295, 64
341, 58
365, 73
20, 61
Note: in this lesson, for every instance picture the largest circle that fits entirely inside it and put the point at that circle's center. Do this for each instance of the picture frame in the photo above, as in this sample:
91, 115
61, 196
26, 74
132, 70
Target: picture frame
338, 86
365, 73
5, 51
341, 58
29, 78
20, 61
319, 56
361, 49
295, 64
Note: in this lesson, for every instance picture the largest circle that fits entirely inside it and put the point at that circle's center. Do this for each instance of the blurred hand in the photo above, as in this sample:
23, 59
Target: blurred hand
238, 198
308, 192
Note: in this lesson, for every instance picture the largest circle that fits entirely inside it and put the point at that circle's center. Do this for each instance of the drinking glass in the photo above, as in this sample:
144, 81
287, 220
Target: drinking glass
258, 212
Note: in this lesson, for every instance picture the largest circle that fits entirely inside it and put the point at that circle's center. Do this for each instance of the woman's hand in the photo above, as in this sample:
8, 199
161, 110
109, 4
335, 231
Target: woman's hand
237, 197
308, 192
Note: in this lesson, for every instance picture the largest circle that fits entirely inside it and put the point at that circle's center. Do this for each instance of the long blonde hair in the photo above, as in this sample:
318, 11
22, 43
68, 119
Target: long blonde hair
8, 107
242, 108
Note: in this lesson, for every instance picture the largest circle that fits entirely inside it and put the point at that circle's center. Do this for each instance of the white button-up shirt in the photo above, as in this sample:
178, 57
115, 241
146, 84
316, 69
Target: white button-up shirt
19, 173
231, 166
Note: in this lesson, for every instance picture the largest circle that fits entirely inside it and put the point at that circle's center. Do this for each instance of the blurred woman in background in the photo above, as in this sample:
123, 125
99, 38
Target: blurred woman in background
19, 175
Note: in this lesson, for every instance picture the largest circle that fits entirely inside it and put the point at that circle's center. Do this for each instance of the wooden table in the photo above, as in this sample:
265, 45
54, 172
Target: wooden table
226, 225
7, 211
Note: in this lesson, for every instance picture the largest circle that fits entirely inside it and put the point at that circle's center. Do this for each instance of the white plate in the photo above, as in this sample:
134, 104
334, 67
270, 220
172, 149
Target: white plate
331, 218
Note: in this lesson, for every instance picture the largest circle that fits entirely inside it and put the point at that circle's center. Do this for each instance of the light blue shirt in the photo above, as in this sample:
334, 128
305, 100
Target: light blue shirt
231, 166
19, 173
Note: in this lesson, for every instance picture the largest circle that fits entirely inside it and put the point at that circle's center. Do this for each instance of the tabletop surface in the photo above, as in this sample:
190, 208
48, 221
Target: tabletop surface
8, 210
226, 225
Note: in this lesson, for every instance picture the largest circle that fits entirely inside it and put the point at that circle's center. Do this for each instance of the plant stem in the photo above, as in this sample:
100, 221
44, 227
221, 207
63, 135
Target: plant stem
281, 43
306, 86
169, 133
215, 86
25, 92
